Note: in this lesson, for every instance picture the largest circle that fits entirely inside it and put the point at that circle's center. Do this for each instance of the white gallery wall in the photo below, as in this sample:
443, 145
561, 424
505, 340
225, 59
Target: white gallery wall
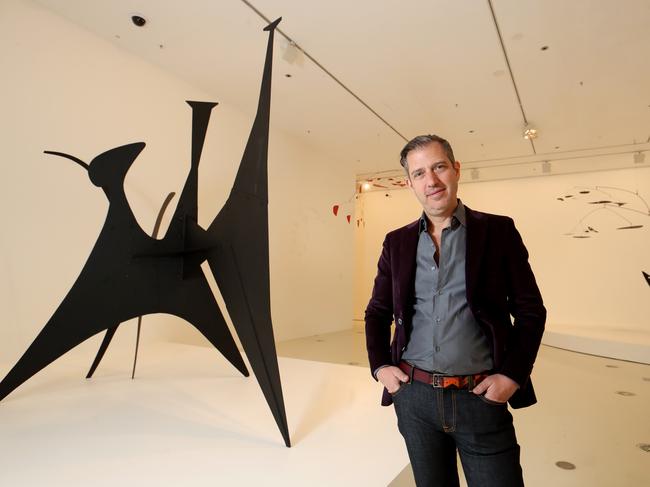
64, 89
597, 299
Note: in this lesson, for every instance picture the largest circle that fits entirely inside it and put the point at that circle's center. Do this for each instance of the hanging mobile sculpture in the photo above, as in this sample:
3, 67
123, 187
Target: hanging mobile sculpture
606, 200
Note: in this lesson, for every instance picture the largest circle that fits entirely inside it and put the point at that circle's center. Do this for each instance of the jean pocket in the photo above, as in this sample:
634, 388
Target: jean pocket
490, 401
398, 391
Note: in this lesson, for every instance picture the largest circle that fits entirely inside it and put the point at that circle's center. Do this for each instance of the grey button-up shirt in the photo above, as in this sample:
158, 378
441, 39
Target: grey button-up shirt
446, 337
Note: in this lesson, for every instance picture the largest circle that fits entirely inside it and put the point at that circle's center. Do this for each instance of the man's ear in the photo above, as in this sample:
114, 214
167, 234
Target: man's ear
408, 182
457, 168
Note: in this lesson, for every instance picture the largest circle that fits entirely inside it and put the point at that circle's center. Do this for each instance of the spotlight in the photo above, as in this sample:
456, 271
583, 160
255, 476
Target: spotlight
530, 133
546, 167
639, 157
475, 174
365, 186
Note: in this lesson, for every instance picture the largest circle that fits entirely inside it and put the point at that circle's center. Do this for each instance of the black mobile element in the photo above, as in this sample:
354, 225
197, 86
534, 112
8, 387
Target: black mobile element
130, 274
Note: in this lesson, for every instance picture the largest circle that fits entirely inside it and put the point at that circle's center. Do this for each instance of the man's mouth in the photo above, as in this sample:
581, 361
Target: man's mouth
435, 192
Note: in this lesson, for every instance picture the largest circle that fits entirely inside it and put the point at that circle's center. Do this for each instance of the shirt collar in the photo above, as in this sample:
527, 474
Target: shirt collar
458, 217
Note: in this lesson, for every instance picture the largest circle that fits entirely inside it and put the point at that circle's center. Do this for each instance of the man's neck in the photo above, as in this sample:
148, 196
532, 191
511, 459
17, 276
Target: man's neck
437, 222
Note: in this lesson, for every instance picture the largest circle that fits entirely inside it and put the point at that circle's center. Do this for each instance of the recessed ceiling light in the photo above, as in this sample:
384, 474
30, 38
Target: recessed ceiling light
544, 48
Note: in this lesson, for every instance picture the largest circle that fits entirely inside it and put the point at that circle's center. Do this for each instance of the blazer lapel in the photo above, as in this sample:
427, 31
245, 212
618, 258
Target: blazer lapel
406, 271
476, 235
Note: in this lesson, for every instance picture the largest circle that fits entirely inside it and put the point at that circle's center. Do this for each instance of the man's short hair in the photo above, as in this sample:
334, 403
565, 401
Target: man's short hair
422, 141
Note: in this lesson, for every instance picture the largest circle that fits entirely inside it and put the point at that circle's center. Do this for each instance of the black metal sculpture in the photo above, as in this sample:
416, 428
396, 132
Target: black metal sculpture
130, 274
108, 337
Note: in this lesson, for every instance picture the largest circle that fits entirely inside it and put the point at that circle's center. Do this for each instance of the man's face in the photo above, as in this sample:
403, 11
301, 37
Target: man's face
434, 179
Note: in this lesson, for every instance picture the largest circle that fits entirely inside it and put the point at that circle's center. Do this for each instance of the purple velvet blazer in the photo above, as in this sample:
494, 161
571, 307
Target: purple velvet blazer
500, 285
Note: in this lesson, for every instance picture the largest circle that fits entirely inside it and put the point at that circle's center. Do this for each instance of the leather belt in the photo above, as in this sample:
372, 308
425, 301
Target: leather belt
439, 380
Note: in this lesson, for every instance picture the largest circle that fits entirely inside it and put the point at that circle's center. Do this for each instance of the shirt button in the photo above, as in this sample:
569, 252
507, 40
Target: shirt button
439, 293
399, 321
438, 320
437, 349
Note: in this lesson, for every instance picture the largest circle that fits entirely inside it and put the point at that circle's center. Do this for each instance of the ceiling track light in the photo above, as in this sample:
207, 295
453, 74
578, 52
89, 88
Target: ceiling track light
639, 157
530, 132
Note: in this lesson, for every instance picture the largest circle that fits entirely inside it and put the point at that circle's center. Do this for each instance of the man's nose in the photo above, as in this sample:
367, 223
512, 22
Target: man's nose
432, 177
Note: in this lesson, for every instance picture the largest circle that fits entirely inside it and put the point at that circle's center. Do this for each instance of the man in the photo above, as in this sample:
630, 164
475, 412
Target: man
452, 280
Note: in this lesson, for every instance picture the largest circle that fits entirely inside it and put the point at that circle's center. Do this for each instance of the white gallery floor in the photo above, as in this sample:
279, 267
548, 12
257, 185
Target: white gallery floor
593, 414
189, 419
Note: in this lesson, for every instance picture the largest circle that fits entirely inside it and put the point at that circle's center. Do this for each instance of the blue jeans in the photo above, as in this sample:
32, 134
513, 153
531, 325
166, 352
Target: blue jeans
436, 422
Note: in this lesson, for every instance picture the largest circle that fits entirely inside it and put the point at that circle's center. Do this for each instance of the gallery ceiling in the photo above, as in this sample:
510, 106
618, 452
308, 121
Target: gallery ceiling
357, 79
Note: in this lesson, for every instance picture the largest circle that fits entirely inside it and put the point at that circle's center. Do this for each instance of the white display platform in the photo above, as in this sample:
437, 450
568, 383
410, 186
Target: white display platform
190, 419
612, 342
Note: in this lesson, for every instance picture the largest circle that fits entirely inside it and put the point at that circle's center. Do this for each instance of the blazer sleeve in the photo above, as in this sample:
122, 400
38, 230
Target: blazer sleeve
526, 307
379, 312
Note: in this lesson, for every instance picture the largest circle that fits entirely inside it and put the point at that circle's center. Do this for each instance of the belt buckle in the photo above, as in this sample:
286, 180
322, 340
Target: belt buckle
438, 380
